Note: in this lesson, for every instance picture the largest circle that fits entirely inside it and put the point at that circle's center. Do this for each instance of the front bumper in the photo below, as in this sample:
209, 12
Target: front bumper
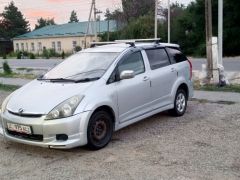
75, 127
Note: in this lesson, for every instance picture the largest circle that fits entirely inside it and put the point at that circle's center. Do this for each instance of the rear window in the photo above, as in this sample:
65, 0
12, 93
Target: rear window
157, 58
175, 55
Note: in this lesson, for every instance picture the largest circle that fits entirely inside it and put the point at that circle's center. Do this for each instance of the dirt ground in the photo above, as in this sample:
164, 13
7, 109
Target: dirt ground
203, 144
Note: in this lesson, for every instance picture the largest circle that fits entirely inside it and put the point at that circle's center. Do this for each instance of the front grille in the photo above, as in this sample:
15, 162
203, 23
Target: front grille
33, 137
26, 115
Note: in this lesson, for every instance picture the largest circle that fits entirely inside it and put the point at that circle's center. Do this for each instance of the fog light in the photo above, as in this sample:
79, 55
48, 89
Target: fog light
62, 137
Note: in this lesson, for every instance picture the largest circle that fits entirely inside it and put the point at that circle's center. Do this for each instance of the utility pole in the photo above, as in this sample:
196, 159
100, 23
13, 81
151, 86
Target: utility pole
96, 12
89, 18
208, 26
156, 13
108, 34
220, 31
95, 19
169, 21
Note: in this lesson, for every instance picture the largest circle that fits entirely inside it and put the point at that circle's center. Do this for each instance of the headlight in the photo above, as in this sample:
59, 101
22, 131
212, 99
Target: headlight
4, 104
65, 109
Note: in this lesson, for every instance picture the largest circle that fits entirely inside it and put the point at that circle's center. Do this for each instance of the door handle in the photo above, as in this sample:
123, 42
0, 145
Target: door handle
145, 78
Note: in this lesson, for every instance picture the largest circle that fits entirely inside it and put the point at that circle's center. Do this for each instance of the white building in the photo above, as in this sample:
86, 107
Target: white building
64, 37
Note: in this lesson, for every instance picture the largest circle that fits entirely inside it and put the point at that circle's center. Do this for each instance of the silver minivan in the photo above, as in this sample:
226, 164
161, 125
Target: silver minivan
97, 91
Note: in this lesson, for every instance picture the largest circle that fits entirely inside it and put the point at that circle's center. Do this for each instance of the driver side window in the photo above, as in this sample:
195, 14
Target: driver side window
132, 62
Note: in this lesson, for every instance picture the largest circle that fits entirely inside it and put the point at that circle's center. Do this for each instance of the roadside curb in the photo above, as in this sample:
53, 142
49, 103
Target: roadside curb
216, 96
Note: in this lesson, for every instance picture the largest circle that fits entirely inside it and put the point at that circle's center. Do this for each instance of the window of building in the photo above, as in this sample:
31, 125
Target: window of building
54, 46
26, 46
74, 44
59, 48
32, 47
22, 46
17, 47
157, 58
39, 46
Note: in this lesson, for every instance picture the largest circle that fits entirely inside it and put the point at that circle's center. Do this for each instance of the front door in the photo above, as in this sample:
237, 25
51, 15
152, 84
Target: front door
133, 94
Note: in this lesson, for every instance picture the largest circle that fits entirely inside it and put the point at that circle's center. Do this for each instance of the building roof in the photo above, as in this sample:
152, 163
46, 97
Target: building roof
69, 30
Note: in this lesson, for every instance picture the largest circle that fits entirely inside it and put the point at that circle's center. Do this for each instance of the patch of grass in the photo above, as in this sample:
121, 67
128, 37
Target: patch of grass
25, 69
228, 88
15, 75
4, 87
203, 101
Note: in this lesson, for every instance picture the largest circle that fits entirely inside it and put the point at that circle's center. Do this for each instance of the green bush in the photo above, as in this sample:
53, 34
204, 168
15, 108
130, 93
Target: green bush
6, 68
12, 54
45, 53
19, 55
32, 56
52, 53
25, 54
63, 55
4, 56
78, 48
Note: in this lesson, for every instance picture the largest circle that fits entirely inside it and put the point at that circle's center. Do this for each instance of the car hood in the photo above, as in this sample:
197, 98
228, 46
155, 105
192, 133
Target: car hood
40, 97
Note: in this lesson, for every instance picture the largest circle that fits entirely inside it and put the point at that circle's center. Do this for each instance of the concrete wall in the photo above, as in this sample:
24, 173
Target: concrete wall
66, 44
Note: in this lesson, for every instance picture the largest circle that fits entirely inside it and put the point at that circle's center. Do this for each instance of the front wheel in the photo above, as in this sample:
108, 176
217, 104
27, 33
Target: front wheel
100, 130
180, 103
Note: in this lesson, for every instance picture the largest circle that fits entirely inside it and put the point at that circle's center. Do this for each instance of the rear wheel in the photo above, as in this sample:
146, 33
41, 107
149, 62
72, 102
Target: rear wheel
180, 103
100, 130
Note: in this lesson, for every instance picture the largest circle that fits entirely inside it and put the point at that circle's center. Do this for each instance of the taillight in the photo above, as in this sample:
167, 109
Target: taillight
190, 64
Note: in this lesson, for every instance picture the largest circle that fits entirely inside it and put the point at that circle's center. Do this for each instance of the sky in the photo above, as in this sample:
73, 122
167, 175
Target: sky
60, 10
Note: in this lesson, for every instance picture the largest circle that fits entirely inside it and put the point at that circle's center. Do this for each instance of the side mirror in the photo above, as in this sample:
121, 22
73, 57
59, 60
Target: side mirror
40, 76
127, 74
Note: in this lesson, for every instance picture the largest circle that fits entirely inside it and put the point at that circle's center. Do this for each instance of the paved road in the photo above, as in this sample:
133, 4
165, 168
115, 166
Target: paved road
14, 81
231, 64
32, 63
203, 144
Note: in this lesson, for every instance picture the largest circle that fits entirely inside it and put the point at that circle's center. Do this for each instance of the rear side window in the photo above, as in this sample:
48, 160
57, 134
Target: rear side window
157, 58
175, 55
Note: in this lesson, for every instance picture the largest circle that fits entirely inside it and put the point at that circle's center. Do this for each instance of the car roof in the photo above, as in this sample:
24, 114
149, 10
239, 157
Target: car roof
120, 47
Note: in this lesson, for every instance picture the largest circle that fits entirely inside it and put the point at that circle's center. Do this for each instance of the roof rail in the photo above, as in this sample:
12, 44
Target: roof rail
156, 40
94, 44
131, 42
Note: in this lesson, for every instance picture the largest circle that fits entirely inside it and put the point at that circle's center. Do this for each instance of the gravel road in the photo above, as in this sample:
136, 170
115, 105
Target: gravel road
203, 144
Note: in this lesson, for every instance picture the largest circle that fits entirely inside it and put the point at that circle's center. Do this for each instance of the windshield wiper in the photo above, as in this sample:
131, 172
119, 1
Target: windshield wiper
87, 80
70, 80
57, 80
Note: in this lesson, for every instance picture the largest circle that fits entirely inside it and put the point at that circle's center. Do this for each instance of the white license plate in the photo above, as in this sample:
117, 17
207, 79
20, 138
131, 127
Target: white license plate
19, 128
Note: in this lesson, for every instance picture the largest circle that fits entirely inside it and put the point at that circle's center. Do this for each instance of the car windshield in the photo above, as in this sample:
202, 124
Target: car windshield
82, 66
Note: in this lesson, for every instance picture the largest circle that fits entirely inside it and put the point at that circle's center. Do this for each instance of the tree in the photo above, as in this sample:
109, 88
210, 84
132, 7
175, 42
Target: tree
12, 22
44, 22
73, 17
135, 8
187, 24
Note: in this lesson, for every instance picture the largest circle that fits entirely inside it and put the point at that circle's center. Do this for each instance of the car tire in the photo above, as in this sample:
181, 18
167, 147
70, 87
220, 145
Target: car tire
180, 103
100, 130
